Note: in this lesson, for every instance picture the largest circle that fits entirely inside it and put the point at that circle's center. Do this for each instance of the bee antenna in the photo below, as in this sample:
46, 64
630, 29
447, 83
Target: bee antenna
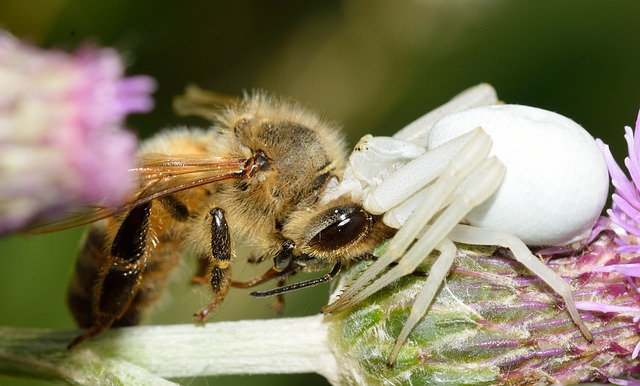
296, 286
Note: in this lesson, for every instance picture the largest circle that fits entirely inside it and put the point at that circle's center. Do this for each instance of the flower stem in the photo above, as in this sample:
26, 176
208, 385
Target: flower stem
145, 355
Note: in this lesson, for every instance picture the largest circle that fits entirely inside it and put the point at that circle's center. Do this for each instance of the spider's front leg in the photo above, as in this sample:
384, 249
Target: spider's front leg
480, 95
484, 181
220, 258
437, 274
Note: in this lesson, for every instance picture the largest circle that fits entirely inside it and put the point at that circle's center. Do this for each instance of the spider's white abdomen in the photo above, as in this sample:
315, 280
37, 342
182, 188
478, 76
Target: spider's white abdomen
556, 182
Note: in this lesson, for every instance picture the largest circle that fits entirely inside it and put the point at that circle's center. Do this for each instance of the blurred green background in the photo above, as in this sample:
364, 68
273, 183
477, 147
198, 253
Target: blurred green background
374, 65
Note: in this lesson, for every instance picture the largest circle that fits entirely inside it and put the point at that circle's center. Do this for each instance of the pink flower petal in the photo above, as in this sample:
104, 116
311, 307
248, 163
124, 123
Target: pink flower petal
62, 137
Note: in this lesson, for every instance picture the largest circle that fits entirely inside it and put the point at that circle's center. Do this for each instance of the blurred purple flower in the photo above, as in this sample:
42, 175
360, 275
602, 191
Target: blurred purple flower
62, 143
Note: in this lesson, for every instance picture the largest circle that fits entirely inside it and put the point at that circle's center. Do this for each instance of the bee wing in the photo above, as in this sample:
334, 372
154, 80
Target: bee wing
203, 103
162, 176
158, 175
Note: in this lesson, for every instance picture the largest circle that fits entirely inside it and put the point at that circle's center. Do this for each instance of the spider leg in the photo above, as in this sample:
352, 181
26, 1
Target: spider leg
376, 158
459, 167
421, 304
396, 197
486, 179
414, 175
417, 132
480, 236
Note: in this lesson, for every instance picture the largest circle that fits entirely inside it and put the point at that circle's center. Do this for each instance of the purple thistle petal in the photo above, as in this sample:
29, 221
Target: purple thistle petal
636, 140
628, 248
632, 270
619, 218
604, 307
625, 382
626, 207
625, 216
631, 162
625, 211
619, 180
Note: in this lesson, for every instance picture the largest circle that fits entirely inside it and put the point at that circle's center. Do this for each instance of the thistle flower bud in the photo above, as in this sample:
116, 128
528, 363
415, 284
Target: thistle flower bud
62, 144
494, 323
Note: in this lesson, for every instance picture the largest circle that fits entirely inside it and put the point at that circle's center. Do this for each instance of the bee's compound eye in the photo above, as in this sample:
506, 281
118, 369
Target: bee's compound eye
342, 225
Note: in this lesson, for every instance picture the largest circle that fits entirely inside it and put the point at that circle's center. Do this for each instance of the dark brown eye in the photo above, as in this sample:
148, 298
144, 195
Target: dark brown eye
342, 225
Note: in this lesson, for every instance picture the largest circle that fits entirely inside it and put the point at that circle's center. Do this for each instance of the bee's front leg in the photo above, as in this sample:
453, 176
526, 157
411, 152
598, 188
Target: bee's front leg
220, 258
120, 277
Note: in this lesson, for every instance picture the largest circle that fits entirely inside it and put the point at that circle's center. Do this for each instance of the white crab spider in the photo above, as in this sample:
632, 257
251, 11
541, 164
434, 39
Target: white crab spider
516, 174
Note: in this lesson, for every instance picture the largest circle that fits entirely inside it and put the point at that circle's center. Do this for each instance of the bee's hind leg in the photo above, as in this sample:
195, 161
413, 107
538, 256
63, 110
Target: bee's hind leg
220, 258
120, 278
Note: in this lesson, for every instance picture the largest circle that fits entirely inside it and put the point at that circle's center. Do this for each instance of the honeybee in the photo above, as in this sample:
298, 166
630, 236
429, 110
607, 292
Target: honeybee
253, 178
